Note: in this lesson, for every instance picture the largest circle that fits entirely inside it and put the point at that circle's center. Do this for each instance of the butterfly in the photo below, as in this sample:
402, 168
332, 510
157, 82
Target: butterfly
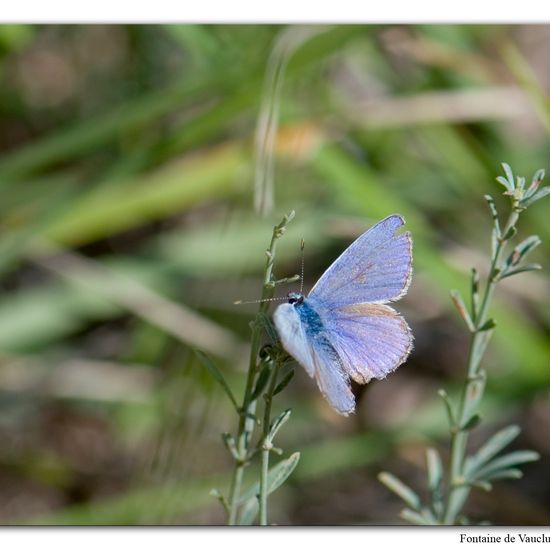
343, 329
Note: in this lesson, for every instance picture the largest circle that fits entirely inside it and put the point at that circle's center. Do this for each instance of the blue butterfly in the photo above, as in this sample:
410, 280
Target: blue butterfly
343, 329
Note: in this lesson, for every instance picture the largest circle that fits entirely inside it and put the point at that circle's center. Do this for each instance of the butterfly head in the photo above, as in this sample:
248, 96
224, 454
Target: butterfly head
295, 298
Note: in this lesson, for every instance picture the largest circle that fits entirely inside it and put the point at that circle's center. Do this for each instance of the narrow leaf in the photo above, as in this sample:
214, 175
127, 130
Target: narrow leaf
400, 489
275, 477
284, 382
413, 517
490, 324
521, 250
506, 183
435, 479
537, 196
448, 407
509, 174
510, 233
429, 516
535, 183
494, 214
512, 473
539, 176
249, 511
461, 308
217, 375
472, 422
262, 381
474, 290
229, 443
528, 244
521, 269
483, 342
492, 447
278, 423
504, 462
473, 396
482, 484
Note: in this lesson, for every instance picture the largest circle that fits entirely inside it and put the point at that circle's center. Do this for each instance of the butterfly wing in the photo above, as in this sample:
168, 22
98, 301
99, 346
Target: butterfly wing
371, 340
318, 358
374, 268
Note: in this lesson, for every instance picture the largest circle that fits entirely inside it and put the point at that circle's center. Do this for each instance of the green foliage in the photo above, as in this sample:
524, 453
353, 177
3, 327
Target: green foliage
478, 470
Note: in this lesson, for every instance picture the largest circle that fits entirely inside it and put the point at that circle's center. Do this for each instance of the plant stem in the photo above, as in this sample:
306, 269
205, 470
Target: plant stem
266, 443
248, 409
473, 387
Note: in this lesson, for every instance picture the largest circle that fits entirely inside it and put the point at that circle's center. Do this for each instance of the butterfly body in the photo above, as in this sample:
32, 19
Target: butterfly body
343, 330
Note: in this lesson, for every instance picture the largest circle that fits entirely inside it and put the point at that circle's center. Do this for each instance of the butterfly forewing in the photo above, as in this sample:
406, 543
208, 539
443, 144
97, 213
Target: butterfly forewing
374, 268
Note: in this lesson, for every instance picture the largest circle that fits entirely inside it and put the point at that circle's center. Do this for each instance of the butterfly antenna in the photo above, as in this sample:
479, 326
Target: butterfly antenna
240, 302
302, 246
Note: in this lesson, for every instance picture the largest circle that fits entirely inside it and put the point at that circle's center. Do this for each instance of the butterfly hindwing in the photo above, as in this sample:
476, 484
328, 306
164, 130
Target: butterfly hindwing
374, 268
371, 340
316, 355
293, 336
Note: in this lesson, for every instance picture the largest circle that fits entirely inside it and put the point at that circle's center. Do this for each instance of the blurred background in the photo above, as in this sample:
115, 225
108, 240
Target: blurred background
132, 177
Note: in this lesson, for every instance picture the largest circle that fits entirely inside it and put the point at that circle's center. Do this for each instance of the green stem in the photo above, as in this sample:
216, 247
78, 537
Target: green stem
267, 444
458, 491
248, 409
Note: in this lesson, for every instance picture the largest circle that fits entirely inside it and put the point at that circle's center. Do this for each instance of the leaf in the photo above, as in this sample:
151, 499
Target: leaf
284, 382
509, 175
472, 422
528, 244
539, 176
492, 447
249, 511
218, 376
229, 442
504, 462
512, 473
521, 269
404, 492
262, 381
510, 233
413, 517
461, 308
494, 214
448, 407
537, 196
521, 250
474, 394
483, 342
504, 182
277, 424
507, 181
482, 484
435, 479
275, 478
488, 325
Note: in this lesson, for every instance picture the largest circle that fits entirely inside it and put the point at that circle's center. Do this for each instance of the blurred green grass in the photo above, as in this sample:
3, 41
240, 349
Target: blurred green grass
140, 159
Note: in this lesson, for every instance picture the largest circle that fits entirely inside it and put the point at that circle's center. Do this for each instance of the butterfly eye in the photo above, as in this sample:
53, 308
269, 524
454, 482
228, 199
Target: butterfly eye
295, 298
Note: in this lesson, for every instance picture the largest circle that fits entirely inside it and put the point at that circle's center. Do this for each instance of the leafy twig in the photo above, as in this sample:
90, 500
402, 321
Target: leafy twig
478, 470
